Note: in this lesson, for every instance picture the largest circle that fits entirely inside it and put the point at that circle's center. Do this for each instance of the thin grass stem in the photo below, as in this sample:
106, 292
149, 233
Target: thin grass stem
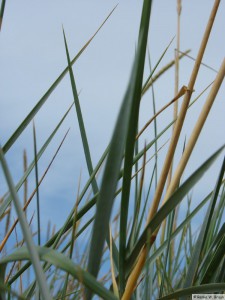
40, 276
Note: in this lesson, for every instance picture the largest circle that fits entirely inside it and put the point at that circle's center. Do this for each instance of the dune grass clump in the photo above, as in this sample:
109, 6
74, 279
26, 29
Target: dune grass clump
145, 250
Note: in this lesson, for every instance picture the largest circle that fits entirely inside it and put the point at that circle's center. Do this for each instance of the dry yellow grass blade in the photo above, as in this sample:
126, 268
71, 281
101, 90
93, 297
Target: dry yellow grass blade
131, 283
179, 95
179, 8
196, 131
175, 112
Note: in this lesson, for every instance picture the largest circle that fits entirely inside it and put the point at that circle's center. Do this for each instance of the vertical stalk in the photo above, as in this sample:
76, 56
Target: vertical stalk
34, 257
25, 182
175, 111
37, 186
196, 131
2, 12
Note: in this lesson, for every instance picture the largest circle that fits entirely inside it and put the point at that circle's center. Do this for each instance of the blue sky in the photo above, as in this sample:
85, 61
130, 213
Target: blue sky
32, 55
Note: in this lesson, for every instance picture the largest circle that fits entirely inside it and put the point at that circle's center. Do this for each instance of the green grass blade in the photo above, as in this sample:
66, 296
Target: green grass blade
64, 263
213, 264
220, 209
136, 217
184, 226
135, 95
4, 288
216, 220
26, 232
165, 262
154, 124
164, 278
2, 12
145, 203
153, 71
147, 147
113, 164
221, 274
204, 231
173, 201
40, 103
80, 119
72, 241
84, 227
37, 186
136, 168
209, 253
37, 196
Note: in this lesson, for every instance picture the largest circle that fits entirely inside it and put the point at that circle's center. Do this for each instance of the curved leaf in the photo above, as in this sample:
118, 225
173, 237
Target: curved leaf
64, 263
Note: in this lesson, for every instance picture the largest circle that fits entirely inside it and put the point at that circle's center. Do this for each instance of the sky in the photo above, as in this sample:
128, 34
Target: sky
32, 55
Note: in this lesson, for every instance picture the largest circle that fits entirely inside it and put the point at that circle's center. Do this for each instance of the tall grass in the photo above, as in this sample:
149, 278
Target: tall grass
150, 252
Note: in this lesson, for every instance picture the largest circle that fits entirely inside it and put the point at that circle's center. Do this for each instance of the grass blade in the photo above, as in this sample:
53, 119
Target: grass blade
155, 124
209, 253
120, 137
64, 263
134, 228
216, 219
213, 265
2, 13
166, 258
80, 119
37, 185
152, 79
5, 288
189, 280
26, 232
40, 103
